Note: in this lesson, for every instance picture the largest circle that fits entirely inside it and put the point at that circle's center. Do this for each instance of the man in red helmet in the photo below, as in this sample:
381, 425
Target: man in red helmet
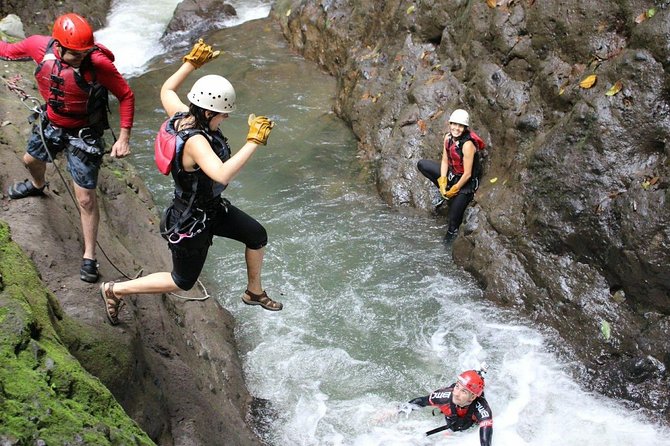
74, 76
463, 405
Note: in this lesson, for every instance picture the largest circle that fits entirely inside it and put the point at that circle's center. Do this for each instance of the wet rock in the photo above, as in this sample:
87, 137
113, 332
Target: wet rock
37, 16
194, 18
639, 370
12, 26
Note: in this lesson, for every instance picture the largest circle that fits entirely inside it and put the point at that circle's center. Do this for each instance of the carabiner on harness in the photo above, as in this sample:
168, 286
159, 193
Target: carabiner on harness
189, 231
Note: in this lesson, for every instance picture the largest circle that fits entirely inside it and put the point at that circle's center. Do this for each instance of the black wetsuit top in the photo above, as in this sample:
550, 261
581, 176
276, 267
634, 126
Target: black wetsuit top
461, 418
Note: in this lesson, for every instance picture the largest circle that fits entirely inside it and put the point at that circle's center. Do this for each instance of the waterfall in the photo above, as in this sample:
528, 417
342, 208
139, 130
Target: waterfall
134, 29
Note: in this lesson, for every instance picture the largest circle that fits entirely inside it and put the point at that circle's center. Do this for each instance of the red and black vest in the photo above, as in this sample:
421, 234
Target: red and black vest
460, 418
72, 92
454, 149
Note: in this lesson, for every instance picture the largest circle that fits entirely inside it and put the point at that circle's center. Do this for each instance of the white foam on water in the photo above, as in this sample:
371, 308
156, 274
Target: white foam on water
134, 29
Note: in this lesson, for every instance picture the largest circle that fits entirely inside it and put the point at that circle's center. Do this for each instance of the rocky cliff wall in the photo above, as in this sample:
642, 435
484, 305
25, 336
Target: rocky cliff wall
570, 224
46, 396
38, 16
171, 364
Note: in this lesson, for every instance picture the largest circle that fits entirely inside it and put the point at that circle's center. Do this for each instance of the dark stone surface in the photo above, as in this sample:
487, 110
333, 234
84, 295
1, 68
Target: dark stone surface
38, 15
195, 18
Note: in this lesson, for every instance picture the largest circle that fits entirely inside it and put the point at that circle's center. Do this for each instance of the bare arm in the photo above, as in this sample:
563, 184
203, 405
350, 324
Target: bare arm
169, 98
197, 151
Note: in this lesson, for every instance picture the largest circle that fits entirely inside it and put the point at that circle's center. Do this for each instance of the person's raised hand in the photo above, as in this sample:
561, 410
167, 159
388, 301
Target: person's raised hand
200, 54
259, 129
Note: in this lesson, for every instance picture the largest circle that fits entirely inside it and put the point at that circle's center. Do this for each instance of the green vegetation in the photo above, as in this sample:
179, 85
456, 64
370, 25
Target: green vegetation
44, 391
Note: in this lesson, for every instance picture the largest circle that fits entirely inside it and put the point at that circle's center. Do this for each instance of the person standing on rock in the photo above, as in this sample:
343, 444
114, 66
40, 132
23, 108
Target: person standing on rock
74, 75
457, 176
191, 147
462, 404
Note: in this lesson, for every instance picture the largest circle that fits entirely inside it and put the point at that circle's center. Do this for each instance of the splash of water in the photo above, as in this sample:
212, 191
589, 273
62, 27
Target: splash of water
134, 29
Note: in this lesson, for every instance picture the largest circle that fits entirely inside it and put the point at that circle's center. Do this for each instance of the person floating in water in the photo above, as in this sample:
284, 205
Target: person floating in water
463, 405
191, 147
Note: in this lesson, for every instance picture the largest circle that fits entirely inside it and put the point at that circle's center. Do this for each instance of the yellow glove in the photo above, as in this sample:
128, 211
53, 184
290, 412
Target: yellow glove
259, 129
200, 54
442, 184
451, 193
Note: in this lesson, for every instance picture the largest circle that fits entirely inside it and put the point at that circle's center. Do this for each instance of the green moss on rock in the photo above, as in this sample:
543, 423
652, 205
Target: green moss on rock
44, 391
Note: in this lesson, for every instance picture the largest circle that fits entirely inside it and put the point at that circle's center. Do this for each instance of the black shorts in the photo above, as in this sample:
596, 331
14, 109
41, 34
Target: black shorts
189, 254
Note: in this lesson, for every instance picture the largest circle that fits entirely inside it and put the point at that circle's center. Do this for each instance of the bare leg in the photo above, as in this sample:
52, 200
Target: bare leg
90, 218
254, 258
255, 295
113, 293
155, 283
37, 169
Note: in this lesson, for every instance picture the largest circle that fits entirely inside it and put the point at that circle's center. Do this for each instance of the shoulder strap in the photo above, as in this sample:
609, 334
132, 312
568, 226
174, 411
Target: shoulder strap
477, 140
185, 135
476, 161
469, 137
49, 52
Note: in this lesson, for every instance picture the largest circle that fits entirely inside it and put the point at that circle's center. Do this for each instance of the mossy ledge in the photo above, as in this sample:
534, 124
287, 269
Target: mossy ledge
46, 396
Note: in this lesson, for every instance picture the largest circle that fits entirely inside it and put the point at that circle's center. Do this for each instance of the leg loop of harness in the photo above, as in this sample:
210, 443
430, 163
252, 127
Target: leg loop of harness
188, 221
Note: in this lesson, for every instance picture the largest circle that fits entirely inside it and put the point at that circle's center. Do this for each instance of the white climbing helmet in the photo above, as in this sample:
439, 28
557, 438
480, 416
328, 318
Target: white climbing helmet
213, 92
460, 116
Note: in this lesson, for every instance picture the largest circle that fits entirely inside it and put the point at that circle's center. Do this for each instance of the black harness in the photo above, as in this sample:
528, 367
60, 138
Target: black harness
196, 194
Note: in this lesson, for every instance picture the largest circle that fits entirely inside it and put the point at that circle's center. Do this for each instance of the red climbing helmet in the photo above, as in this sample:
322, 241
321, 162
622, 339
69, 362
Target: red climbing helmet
72, 31
472, 381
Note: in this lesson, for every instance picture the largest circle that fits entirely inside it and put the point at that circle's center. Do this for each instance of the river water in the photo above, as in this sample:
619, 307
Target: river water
375, 311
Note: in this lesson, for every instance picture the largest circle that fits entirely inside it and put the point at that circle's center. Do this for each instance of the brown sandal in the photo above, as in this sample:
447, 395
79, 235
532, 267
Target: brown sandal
116, 304
262, 299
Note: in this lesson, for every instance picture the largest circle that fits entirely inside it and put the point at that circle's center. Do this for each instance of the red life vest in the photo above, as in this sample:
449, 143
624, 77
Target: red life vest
170, 142
454, 149
164, 149
72, 92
